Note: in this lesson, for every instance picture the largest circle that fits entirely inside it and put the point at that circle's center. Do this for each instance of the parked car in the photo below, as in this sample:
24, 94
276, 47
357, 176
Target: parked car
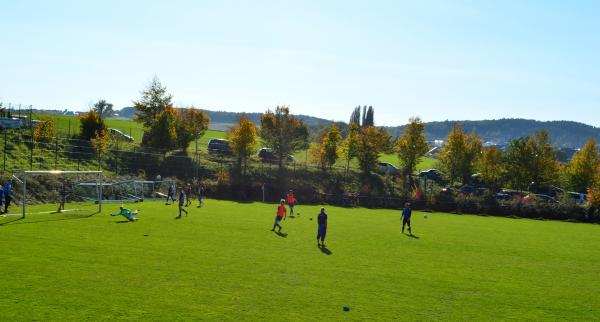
578, 198
267, 155
120, 135
434, 175
506, 194
219, 146
546, 198
387, 168
503, 196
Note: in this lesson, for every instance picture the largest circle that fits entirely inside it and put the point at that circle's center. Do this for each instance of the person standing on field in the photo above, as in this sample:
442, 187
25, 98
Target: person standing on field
188, 195
291, 201
281, 211
200, 190
170, 194
406, 213
8, 195
322, 228
181, 203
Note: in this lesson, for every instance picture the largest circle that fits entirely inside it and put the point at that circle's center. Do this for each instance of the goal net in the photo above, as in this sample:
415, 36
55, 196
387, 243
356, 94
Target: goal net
42, 193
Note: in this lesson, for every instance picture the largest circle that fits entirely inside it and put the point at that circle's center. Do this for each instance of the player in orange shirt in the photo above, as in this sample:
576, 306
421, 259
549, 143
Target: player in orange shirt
280, 215
291, 201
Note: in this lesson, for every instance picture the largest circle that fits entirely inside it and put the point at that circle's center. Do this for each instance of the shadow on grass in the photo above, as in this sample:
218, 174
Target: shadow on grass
325, 250
280, 234
20, 220
121, 221
412, 236
11, 221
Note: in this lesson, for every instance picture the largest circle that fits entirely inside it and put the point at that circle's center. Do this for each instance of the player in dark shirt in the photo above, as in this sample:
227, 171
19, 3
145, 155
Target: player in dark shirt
406, 213
322, 228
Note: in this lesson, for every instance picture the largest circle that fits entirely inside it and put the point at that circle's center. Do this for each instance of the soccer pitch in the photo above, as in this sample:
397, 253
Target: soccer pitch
222, 262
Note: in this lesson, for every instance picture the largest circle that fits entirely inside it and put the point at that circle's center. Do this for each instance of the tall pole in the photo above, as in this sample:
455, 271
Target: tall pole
99, 192
31, 135
56, 153
197, 157
23, 197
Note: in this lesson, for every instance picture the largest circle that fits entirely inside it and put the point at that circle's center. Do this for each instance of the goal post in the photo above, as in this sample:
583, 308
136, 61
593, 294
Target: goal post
26, 174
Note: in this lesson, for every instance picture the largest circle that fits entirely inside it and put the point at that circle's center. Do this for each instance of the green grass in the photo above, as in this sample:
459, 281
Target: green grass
223, 263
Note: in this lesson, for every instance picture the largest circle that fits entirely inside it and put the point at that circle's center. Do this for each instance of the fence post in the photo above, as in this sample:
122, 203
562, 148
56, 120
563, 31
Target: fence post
56, 153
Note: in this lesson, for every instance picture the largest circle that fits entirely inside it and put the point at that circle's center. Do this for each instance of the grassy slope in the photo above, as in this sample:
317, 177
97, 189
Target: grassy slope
223, 263
63, 123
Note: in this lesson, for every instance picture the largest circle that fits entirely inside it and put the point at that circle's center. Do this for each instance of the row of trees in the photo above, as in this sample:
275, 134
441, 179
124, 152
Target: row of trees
529, 163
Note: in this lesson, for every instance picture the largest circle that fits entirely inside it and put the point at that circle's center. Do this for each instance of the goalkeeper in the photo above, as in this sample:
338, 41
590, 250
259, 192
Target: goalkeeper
126, 213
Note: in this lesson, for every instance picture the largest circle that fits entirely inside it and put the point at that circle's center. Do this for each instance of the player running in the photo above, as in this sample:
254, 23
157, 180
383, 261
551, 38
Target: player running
291, 201
322, 228
126, 213
181, 203
406, 213
281, 212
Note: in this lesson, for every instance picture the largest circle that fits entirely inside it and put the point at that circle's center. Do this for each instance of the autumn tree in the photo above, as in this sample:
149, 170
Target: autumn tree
244, 141
412, 146
531, 162
153, 102
283, 132
44, 131
350, 144
460, 154
370, 144
91, 125
331, 144
163, 133
316, 152
582, 171
491, 167
103, 108
100, 142
190, 124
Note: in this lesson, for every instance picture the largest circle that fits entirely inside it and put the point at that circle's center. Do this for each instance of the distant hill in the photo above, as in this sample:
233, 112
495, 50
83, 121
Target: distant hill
502, 131
563, 133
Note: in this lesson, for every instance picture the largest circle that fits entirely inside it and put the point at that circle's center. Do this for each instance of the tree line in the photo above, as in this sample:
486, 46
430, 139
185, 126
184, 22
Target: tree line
529, 162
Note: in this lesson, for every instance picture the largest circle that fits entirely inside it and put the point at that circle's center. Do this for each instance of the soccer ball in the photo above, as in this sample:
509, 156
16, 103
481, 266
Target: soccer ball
310, 218
425, 216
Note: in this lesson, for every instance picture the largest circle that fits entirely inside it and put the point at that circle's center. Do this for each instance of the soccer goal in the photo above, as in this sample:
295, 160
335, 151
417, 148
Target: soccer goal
54, 191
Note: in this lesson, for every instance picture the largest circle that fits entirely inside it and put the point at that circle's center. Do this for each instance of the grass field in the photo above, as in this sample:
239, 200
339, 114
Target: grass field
223, 263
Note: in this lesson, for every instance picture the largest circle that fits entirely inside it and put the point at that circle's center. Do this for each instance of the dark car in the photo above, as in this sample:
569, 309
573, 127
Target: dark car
434, 175
267, 155
219, 146
387, 168
546, 198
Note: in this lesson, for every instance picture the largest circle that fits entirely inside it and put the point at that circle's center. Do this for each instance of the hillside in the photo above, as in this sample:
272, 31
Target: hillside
562, 133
